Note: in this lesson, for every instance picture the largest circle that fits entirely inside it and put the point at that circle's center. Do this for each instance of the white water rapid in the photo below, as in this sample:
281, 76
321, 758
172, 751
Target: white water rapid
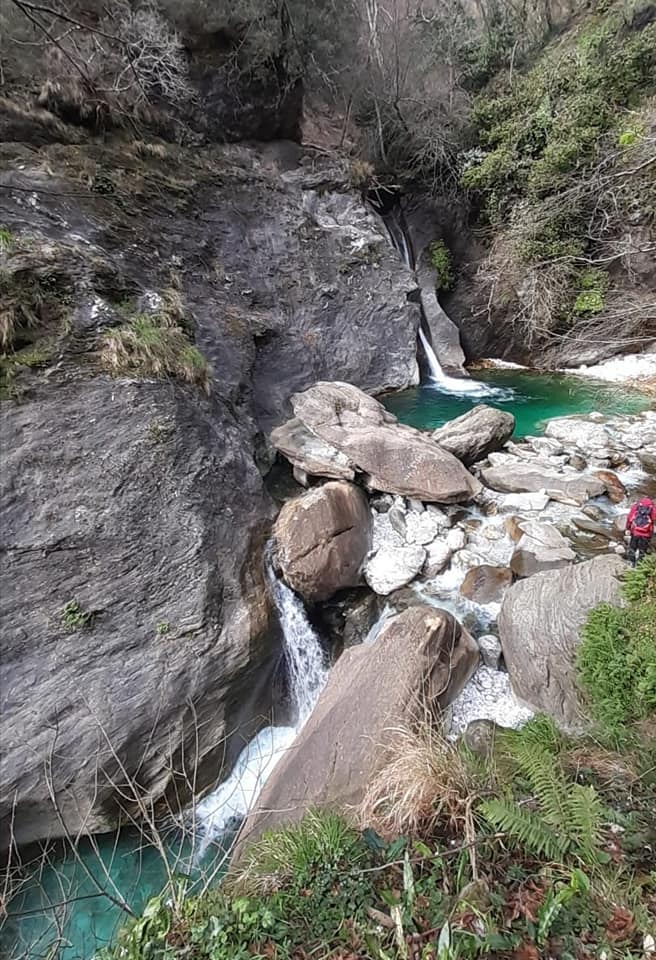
223, 809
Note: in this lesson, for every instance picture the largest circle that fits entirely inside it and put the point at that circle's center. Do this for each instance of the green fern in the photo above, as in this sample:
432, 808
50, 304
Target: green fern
528, 828
566, 817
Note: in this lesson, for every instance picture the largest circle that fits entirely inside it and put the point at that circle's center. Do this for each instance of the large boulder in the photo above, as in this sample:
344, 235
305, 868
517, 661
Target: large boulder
364, 437
523, 478
475, 434
422, 658
322, 539
539, 627
541, 547
138, 636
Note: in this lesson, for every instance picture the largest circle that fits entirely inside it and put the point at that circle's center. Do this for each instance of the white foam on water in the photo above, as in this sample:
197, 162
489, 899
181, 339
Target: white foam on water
463, 386
227, 806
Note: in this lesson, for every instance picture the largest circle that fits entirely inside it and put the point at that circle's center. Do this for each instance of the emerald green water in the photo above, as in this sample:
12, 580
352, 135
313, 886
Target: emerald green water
69, 907
532, 398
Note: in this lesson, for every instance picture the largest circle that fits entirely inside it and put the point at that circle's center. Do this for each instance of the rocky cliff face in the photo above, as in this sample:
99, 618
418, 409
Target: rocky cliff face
139, 642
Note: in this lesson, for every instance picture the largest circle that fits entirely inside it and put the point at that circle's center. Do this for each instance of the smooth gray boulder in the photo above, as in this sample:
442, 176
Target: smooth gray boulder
475, 434
541, 547
421, 660
539, 629
524, 478
366, 438
322, 539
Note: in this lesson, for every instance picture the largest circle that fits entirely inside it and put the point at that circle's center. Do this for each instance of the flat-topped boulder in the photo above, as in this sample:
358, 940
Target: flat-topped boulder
517, 477
476, 433
421, 660
322, 539
338, 430
539, 629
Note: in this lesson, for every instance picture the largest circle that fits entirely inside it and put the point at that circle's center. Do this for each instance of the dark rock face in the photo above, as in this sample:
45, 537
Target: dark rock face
322, 539
422, 654
118, 498
141, 502
539, 629
472, 436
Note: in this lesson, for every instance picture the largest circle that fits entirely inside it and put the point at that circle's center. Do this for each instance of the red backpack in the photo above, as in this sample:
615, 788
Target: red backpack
643, 524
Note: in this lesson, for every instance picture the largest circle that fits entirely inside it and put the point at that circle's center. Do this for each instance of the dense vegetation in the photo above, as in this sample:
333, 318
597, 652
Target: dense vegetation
540, 845
563, 162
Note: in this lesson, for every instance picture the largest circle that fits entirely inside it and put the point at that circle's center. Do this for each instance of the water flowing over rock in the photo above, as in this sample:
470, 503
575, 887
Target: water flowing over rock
422, 656
475, 434
541, 547
539, 629
323, 538
395, 458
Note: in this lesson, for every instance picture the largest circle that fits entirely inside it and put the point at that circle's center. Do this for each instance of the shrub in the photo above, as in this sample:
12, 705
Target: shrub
617, 658
74, 617
440, 257
142, 347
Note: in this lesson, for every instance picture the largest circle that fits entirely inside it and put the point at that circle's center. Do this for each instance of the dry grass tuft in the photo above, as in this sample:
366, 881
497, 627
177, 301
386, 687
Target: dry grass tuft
428, 784
143, 348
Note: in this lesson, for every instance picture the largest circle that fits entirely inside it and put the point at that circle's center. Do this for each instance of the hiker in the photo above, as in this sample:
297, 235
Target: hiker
640, 528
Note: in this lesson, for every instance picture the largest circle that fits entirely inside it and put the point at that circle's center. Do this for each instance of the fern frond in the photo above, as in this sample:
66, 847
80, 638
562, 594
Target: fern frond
526, 827
548, 783
585, 817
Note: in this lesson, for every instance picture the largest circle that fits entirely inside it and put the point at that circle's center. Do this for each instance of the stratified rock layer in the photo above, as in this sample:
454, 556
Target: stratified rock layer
539, 627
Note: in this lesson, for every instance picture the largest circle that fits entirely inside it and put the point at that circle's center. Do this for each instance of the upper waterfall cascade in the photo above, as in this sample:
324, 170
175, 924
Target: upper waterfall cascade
438, 378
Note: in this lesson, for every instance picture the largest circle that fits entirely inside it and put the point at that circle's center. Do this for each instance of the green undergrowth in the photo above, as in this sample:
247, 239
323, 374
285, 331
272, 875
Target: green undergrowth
440, 257
543, 126
154, 345
542, 848
617, 657
34, 317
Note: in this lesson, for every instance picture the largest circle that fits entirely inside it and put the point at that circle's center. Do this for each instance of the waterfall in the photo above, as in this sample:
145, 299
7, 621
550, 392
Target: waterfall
306, 666
395, 222
436, 371
223, 809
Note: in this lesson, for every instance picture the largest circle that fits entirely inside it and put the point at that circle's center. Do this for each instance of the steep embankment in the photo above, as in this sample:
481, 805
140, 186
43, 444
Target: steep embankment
159, 306
555, 252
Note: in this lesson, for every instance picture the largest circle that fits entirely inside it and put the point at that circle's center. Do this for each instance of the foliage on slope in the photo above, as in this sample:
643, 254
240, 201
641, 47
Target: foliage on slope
563, 170
540, 847
617, 658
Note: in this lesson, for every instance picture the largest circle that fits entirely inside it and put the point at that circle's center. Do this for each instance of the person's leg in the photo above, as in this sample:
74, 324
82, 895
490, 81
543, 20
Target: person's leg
630, 553
640, 549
